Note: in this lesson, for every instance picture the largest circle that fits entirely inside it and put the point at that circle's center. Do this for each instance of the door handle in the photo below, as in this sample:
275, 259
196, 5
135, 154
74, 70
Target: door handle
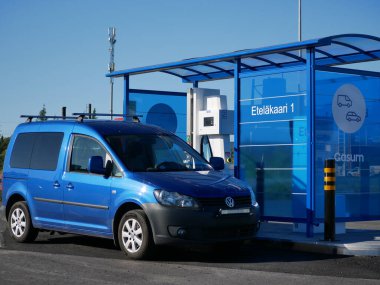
56, 185
70, 186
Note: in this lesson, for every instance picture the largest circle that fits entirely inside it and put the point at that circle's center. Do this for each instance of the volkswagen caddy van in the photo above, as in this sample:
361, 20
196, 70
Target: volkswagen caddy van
136, 184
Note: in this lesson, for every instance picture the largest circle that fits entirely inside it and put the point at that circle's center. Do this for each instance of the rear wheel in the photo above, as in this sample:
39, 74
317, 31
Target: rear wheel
20, 224
135, 236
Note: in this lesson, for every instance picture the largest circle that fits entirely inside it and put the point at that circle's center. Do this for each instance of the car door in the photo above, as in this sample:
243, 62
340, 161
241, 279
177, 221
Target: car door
86, 195
46, 165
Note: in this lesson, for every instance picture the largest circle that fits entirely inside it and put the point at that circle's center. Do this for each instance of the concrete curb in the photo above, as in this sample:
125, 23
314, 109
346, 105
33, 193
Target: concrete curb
322, 247
313, 247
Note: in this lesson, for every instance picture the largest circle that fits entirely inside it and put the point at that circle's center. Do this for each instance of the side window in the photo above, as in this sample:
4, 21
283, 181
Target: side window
206, 150
46, 151
22, 150
83, 148
38, 151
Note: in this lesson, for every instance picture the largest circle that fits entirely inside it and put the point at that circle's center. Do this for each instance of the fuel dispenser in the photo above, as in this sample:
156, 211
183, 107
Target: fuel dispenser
209, 123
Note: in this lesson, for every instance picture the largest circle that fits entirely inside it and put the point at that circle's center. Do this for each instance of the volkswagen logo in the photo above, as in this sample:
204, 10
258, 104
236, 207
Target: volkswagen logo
230, 202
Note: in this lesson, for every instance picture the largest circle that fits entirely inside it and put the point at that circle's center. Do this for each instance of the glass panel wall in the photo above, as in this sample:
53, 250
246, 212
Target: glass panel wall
273, 141
167, 111
348, 130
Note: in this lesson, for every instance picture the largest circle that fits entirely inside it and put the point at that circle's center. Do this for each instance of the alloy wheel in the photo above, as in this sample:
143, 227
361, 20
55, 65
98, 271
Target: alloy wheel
132, 235
18, 222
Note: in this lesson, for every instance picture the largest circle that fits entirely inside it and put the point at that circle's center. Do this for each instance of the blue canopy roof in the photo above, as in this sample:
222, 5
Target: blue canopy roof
329, 51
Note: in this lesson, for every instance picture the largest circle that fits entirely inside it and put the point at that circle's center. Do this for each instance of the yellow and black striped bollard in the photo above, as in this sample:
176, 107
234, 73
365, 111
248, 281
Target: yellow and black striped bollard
329, 189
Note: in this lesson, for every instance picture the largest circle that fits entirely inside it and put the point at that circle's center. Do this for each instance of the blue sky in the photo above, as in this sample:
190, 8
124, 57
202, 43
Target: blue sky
55, 52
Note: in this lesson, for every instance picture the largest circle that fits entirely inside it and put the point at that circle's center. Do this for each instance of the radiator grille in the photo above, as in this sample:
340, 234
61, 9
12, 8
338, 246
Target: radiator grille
240, 202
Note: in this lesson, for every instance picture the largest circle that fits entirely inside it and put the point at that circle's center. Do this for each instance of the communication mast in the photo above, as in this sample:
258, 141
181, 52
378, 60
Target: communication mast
111, 65
299, 20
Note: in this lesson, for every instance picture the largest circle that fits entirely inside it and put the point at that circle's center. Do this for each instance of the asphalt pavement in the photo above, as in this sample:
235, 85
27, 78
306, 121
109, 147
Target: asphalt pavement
77, 259
43, 268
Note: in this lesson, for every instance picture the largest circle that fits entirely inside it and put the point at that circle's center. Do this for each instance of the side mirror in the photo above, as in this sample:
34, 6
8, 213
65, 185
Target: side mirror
109, 169
95, 165
217, 163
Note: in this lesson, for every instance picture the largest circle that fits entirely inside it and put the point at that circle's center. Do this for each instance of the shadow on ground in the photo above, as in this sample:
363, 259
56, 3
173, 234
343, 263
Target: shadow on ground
251, 252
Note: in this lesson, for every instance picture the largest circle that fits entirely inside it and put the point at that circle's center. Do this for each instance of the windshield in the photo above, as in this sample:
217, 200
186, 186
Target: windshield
151, 152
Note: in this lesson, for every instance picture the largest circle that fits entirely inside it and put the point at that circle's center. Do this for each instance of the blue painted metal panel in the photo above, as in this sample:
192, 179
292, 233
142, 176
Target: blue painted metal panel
274, 103
310, 91
348, 71
237, 118
271, 71
157, 92
354, 145
126, 96
164, 109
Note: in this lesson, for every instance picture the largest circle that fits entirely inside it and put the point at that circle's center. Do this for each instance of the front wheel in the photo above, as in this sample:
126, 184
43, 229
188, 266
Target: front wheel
135, 236
20, 224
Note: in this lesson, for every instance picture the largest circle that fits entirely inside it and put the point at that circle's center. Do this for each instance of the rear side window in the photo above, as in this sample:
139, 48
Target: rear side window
38, 151
22, 150
46, 151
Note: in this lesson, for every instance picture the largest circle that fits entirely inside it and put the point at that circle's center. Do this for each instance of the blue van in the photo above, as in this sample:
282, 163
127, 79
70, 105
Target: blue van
136, 184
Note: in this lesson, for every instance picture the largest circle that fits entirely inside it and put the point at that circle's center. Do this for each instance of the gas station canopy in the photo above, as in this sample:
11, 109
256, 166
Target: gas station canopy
329, 51
291, 90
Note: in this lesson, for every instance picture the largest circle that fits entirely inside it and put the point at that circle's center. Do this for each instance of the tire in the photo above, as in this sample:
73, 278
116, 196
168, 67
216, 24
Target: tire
134, 235
20, 224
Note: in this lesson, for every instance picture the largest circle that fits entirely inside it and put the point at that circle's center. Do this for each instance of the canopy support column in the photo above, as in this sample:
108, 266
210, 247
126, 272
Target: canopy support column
126, 96
310, 190
237, 70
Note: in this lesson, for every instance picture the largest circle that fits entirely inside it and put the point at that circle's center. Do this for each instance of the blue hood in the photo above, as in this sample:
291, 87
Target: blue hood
198, 184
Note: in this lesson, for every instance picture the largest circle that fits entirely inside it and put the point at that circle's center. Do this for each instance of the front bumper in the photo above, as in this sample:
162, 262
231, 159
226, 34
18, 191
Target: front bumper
174, 225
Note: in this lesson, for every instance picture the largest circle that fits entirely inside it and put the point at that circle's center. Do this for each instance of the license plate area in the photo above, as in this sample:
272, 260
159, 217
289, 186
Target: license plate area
234, 211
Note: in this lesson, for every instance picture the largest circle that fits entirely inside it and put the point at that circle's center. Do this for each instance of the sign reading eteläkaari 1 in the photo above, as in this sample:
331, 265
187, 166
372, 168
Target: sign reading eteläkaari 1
283, 108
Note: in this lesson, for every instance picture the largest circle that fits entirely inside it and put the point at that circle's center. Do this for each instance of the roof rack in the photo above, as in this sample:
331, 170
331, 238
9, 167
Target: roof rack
80, 117
135, 118
31, 117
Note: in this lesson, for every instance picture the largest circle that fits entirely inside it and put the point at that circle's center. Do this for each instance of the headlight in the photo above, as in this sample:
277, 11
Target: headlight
253, 198
175, 199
